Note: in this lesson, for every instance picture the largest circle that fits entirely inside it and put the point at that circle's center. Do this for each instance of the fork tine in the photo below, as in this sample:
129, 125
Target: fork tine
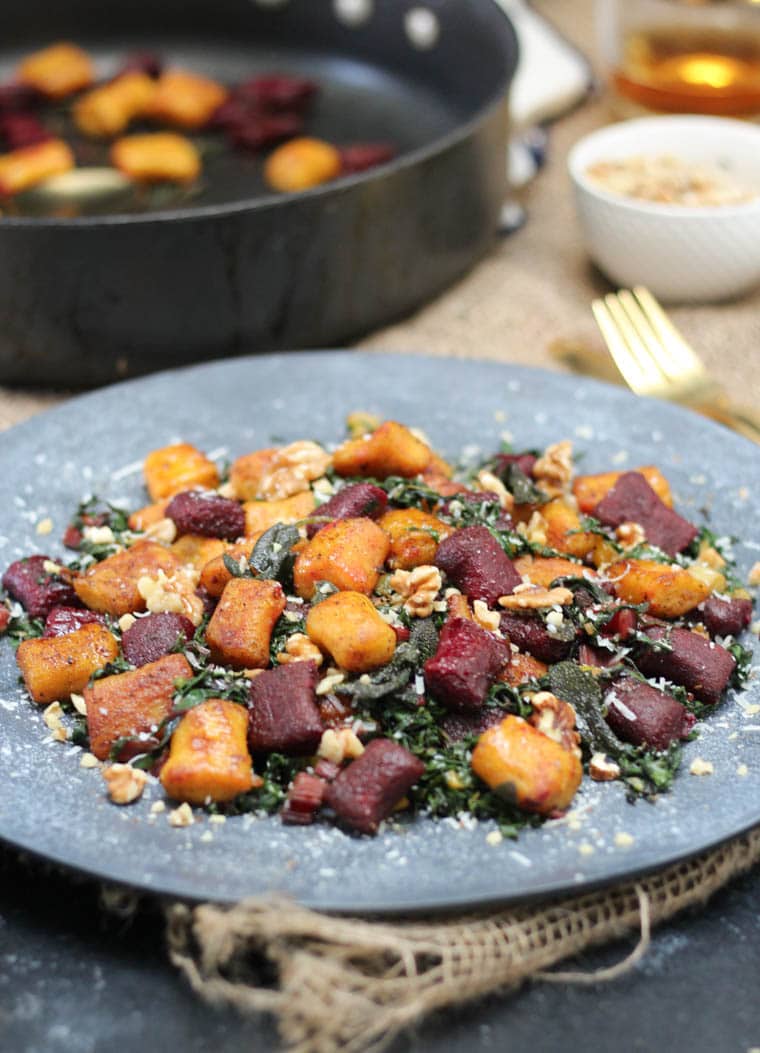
615, 339
651, 351
680, 356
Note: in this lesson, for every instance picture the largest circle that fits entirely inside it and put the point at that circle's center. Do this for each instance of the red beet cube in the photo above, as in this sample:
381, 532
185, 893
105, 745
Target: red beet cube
644, 715
725, 617
304, 799
232, 113
326, 769
698, 664
151, 637
36, 590
277, 93
257, 130
367, 791
475, 562
62, 620
599, 657
207, 513
359, 157
622, 623
147, 62
22, 129
632, 500
352, 502
72, 537
19, 97
528, 633
466, 663
284, 713
504, 461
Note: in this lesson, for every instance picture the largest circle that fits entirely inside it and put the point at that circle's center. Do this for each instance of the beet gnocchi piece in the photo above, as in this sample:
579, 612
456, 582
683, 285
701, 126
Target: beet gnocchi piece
151, 637
360, 500
632, 500
475, 562
701, 666
367, 791
529, 633
63, 620
36, 589
284, 716
464, 667
644, 715
725, 617
304, 799
206, 513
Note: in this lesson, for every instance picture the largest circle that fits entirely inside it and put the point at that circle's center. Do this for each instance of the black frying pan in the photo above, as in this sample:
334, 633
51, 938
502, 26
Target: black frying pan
87, 300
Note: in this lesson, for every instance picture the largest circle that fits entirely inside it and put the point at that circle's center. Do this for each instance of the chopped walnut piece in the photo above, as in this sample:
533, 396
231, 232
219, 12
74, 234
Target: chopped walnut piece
52, 717
339, 743
182, 816
603, 770
535, 530
124, 783
533, 597
554, 470
418, 588
164, 531
89, 760
330, 681
556, 719
175, 594
299, 648
630, 534
457, 604
701, 767
491, 483
79, 704
292, 469
486, 618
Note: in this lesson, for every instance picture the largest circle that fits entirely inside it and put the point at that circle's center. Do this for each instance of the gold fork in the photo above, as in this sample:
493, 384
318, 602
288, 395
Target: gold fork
655, 360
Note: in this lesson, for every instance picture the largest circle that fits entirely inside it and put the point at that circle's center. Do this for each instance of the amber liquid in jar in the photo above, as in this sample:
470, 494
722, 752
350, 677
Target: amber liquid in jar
685, 70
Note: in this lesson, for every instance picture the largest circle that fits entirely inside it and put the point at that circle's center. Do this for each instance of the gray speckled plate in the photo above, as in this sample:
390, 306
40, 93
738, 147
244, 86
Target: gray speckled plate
55, 808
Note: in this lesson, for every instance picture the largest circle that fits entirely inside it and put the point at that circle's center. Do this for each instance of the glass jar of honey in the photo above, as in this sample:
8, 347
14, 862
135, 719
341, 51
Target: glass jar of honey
682, 56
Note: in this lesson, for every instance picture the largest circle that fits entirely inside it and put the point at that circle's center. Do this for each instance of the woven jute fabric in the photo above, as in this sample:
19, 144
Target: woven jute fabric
350, 984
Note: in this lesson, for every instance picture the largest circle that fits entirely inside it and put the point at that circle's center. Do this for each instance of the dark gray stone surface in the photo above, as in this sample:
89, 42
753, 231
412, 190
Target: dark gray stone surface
73, 980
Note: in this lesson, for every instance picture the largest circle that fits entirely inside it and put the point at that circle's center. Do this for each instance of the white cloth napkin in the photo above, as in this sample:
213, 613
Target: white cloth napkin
551, 77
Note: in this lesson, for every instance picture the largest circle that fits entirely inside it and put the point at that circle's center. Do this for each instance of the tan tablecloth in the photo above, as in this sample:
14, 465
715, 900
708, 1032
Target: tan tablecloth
536, 285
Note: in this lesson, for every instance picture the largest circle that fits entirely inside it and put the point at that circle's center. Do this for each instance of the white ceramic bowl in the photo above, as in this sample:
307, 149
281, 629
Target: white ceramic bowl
681, 254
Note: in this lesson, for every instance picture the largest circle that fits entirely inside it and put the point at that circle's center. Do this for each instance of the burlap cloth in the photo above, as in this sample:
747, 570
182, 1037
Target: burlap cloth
352, 984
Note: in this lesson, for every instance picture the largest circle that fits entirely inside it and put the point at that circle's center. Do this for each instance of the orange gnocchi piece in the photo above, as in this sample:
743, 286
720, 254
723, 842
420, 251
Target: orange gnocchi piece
157, 157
